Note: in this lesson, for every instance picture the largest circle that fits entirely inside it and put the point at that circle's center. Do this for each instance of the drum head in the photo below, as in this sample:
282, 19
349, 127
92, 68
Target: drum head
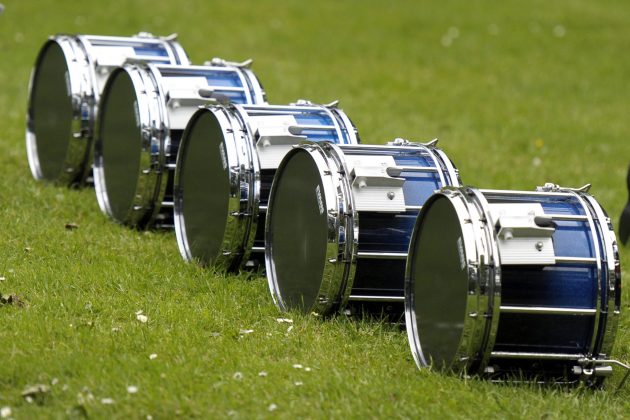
297, 225
50, 111
120, 143
203, 188
439, 284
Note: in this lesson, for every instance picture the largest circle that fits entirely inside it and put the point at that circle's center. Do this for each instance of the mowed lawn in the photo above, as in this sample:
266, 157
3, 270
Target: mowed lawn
519, 93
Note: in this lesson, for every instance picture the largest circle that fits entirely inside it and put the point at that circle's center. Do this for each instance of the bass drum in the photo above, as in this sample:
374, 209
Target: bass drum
514, 285
64, 94
144, 111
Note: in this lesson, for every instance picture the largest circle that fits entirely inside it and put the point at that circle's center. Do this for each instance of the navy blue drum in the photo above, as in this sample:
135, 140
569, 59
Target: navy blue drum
508, 283
339, 223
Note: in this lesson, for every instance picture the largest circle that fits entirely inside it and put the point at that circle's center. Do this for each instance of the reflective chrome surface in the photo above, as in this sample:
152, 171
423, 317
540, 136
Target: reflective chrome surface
64, 93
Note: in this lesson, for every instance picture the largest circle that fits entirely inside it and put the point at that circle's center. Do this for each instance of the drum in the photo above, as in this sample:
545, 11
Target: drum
226, 163
144, 111
514, 284
339, 223
64, 93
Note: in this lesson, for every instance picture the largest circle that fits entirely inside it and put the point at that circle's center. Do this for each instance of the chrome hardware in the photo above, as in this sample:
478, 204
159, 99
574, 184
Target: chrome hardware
551, 187
371, 181
219, 62
298, 129
374, 176
398, 170
598, 367
524, 233
546, 310
333, 104
205, 93
302, 102
366, 298
382, 255
403, 142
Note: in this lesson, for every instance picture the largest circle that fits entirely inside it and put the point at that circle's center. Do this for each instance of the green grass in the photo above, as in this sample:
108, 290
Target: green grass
506, 93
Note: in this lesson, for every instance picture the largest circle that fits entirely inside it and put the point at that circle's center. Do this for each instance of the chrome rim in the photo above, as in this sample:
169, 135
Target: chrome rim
74, 166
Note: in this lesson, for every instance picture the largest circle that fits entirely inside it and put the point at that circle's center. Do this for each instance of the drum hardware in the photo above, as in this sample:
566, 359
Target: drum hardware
216, 61
588, 367
551, 187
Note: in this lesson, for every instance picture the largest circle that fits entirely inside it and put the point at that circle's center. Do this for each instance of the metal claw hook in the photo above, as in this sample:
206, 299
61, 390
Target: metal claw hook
220, 62
551, 187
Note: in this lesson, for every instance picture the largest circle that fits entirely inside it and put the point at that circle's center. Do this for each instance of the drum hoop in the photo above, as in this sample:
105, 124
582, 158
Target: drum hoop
257, 93
347, 124
239, 113
320, 161
348, 223
270, 266
178, 198
466, 354
492, 268
83, 95
148, 175
155, 187
595, 235
603, 340
233, 247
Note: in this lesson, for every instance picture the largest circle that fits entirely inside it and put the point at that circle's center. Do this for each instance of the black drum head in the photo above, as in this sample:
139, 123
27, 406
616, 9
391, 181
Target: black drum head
297, 226
119, 143
203, 190
50, 111
438, 279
